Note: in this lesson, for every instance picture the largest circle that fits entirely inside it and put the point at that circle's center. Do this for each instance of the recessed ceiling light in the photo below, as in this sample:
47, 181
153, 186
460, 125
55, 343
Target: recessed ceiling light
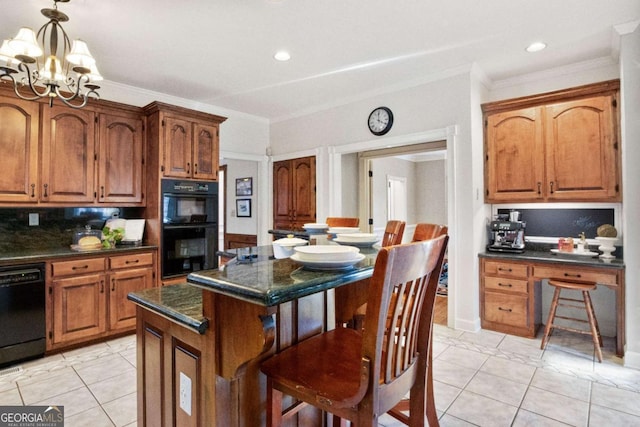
536, 47
282, 55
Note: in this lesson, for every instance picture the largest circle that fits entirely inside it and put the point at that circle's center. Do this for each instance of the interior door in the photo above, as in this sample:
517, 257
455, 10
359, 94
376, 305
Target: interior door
396, 198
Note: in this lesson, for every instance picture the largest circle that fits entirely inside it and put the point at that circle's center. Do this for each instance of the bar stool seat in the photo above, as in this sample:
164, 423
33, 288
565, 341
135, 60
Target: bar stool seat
584, 303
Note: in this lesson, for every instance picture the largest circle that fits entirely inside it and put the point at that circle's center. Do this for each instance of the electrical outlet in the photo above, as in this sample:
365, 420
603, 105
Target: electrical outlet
185, 393
34, 219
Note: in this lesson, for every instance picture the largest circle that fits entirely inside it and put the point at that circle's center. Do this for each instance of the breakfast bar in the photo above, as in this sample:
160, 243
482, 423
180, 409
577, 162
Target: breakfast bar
199, 355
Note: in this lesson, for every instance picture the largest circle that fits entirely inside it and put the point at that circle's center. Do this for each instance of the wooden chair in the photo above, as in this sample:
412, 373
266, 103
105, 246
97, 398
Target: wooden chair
393, 233
334, 221
358, 375
426, 231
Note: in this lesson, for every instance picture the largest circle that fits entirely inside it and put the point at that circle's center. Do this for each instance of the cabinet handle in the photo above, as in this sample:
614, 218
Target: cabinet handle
505, 285
102, 286
195, 169
577, 276
33, 190
75, 267
508, 270
113, 284
135, 261
46, 186
508, 310
539, 187
551, 184
102, 191
188, 167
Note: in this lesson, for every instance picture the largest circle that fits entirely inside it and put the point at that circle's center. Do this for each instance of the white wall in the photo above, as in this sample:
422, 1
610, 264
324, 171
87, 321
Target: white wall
382, 169
242, 169
431, 192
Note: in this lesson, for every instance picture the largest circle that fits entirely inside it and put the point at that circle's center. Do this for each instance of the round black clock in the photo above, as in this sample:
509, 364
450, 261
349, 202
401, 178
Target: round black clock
380, 121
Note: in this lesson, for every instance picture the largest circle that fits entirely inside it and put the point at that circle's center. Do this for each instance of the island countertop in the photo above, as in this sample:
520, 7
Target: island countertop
268, 281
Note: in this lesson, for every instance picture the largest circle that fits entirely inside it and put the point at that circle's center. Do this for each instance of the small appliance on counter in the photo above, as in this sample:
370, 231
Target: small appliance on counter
506, 234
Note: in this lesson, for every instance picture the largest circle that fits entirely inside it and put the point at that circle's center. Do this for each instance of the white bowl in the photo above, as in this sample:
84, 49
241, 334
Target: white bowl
326, 253
358, 237
283, 248
343, 230
315, 226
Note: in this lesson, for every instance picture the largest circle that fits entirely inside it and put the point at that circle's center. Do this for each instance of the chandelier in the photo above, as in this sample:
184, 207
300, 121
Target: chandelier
53, 68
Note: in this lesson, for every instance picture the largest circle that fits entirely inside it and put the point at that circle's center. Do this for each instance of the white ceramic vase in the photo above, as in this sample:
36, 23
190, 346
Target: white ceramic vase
607, 246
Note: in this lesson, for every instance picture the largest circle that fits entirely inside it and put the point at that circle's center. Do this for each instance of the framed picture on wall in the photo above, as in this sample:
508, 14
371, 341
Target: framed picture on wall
243, 207
244, 186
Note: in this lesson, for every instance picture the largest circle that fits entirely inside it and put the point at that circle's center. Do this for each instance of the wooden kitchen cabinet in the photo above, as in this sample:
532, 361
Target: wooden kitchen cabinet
560, 146
185, 143
120, 158
19, 136
294, 193
88, 296
507, 300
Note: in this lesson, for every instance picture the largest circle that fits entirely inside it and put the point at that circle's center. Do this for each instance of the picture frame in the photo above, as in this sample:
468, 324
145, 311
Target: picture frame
243, 208
244, 186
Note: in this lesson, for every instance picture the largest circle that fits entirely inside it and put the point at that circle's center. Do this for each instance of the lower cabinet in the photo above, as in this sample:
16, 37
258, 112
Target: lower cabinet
87, 297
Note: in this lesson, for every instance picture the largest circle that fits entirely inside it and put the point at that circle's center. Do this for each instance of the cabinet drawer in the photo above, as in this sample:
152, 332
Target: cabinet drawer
563, 273
506, 269
506, 309
131, 260
505, 284
77, 266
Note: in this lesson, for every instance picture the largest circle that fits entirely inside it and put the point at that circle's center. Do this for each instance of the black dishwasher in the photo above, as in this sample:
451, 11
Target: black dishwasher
22, 313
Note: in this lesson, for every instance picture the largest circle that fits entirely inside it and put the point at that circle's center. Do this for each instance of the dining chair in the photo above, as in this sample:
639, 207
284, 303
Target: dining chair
425, 231
393, 233
358, 375
335, 221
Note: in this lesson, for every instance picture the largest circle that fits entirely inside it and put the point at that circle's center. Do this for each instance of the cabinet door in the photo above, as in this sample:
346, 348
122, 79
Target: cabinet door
79, 305
514, 157
122, 312
282, 195
68, 155
582, 153
177, 148
19, 150
304, 187
205, 152
120, 172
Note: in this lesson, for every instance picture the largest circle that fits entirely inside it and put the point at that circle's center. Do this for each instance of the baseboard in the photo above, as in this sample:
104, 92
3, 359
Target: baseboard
632, 359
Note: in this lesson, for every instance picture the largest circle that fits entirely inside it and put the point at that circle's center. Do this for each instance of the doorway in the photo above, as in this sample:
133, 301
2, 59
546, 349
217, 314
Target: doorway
397, 198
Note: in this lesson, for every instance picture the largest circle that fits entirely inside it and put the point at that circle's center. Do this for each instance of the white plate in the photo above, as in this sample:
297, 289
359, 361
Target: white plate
326, 253
588, 253
315, 226
357, 244
343, 230
327, 265
357, 237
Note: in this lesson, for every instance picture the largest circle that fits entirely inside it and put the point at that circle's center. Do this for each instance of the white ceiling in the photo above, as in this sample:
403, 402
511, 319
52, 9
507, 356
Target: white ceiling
220, 52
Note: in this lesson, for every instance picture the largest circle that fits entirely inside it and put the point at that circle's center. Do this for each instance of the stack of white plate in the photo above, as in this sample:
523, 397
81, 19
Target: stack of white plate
315, 228
343, 230
361, 240
327, 256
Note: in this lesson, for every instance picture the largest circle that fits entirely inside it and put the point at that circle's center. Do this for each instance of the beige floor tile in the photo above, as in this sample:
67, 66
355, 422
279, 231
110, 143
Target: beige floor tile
615, 398
485, 337
102, 368
601, 416
94, 417
563, 384
452, 374
463, 357
122, 411
556, 406
509, 369
444, 394
498, 388
529, 419
481, 410
115, 387
449, 421
11, 397
74, 402
525, 347
39, 391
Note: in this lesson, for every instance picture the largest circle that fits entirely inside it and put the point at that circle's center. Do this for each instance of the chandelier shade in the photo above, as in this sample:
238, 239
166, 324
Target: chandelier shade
47, 65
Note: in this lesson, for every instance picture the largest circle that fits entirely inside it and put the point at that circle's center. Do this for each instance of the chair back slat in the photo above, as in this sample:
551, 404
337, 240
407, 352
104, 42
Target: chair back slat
336, 221
426, 231
393, 233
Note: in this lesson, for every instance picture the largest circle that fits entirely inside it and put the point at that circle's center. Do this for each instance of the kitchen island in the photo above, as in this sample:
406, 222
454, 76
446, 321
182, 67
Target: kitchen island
200, 344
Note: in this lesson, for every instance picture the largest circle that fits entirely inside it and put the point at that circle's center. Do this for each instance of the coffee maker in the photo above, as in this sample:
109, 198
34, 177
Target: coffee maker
506, 234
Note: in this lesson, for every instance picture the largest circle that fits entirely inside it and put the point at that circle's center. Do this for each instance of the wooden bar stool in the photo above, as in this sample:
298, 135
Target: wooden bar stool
585, 303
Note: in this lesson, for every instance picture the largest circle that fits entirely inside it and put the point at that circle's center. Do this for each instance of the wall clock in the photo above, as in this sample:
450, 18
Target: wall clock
380, 121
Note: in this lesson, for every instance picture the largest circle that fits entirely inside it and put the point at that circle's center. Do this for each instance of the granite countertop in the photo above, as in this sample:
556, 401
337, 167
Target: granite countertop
181, 303
24, 255
268, 281
544, 254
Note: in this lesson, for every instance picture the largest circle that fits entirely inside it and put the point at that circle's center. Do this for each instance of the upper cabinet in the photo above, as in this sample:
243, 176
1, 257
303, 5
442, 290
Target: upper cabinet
560, 146
19, 136
63, 156
185, 142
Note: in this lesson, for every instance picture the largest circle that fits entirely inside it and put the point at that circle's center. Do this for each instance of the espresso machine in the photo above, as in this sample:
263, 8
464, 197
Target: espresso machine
506, 234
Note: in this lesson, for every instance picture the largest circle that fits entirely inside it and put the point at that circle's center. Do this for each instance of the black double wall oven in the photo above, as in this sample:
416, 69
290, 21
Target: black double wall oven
189, 237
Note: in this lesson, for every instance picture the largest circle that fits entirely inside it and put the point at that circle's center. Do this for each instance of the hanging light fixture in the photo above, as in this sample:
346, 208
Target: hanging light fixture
55, 68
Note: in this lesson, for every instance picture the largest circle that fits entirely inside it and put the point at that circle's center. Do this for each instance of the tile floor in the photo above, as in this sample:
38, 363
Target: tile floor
484, 379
